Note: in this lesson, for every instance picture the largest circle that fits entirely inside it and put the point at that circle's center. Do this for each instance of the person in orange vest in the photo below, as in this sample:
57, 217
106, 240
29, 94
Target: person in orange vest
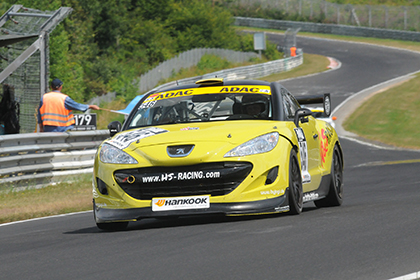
55, 109
293, 51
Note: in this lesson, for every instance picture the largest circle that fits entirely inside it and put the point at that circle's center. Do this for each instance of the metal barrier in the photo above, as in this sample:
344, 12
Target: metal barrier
325, 28
37, 159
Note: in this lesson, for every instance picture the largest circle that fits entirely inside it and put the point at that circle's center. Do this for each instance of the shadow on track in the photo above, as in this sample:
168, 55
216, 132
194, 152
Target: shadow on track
184, 221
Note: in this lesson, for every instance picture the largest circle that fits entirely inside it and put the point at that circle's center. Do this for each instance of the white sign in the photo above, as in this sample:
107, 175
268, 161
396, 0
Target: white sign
180, 203
259, 41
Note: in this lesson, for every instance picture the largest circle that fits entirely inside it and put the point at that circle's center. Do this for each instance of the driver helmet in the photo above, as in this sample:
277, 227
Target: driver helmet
255, 105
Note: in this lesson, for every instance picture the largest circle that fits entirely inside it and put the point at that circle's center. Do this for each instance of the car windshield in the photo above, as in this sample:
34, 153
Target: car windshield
189, 107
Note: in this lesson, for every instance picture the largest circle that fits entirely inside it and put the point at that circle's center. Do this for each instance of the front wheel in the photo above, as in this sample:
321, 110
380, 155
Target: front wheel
295, 185
335, 193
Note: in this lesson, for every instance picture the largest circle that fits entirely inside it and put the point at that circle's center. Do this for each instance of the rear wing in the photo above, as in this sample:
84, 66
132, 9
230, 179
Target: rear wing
325, 99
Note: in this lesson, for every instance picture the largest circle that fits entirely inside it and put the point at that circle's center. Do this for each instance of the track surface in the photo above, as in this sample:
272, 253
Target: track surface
373, 235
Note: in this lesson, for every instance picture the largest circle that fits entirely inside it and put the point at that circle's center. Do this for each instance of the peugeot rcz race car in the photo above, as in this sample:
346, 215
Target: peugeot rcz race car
230, 147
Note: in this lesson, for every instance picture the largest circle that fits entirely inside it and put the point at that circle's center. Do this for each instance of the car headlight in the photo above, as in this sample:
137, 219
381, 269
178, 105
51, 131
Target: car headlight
261, 144
111, 154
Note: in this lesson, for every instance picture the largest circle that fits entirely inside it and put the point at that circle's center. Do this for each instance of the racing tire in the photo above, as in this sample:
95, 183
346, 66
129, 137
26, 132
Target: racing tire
295, 185
335, 193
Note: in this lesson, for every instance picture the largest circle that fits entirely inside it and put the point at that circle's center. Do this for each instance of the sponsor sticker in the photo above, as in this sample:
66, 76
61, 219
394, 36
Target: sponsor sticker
180, 203
150, 101
181, 176
124, 139
310, 196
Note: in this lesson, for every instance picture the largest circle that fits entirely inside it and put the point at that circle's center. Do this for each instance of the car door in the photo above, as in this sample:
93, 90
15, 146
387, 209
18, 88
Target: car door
308, 144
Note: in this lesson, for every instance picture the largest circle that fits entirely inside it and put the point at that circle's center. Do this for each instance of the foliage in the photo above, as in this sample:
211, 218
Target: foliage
104, 45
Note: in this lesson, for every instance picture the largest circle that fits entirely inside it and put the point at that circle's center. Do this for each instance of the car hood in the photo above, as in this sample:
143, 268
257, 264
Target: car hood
209, 140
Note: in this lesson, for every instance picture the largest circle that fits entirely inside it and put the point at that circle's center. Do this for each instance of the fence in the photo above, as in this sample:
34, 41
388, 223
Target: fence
329, 28
377, 16
24, 56
245, 72
187, 59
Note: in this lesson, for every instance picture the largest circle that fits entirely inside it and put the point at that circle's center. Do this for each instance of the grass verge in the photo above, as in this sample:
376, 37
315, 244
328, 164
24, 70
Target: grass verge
52, 200
390, 117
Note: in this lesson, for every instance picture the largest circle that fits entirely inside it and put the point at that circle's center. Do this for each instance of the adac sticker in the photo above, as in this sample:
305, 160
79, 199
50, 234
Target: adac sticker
124, 139
169, 94
245, 89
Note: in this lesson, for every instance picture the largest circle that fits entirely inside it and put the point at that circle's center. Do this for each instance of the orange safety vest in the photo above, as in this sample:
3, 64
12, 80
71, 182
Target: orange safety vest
293, 51
53, 111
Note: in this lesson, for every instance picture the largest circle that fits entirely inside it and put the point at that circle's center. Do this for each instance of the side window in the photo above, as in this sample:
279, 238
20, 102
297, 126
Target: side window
290, 103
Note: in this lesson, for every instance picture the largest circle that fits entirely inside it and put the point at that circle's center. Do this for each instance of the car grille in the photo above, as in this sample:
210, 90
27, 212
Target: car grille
215, 179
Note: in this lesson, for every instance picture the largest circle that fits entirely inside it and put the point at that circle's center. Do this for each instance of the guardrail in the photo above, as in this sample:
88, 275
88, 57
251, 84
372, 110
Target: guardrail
326, 28
37, 159
245, 72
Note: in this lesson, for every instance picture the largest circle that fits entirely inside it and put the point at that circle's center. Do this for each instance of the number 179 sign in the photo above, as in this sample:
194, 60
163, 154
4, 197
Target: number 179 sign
85, 122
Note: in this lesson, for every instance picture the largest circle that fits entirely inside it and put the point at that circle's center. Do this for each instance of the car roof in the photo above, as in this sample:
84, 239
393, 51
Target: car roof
223, 83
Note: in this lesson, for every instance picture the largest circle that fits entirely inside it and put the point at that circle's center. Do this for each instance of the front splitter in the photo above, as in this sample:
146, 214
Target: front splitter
273, 205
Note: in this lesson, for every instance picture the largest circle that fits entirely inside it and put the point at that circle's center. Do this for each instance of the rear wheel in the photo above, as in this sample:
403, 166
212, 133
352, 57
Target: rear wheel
295, 185
335, 193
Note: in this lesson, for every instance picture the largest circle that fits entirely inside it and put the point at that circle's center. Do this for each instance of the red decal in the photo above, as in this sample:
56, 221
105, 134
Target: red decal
324, 147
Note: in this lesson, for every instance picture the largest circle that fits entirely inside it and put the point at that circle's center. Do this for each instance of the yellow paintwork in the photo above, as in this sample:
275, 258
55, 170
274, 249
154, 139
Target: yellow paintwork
212, 141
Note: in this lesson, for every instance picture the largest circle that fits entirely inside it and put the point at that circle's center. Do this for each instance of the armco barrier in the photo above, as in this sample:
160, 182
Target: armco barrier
35, 159
325, 28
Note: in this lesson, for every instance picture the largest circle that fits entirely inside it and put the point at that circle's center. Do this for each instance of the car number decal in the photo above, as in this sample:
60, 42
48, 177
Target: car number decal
124, 139
303, 151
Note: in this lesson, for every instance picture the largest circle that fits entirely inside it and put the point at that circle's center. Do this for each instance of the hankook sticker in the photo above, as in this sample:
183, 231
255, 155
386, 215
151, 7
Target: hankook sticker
180, 203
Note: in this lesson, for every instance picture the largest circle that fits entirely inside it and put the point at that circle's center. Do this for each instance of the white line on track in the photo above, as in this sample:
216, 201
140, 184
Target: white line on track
411, 276
44, 218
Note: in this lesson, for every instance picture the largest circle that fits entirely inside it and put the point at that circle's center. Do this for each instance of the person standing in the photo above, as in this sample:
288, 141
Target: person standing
55, 109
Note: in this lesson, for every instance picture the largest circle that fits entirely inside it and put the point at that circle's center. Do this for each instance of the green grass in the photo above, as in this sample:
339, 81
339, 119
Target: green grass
312, 63
52, 200
390, 117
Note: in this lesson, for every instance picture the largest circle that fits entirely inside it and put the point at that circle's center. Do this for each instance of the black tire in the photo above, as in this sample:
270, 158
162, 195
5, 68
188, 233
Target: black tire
114, 226
335, 193
295, 185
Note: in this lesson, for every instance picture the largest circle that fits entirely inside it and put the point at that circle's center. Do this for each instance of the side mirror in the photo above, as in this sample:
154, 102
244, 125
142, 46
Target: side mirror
301, 113
114, 127
327, 104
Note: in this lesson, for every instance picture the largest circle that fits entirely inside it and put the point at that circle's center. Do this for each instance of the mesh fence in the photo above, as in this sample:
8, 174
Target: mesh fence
26, 83
377, 16
26, 79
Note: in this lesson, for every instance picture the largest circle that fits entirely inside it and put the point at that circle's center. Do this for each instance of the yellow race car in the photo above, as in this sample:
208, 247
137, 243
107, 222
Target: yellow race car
230, 147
